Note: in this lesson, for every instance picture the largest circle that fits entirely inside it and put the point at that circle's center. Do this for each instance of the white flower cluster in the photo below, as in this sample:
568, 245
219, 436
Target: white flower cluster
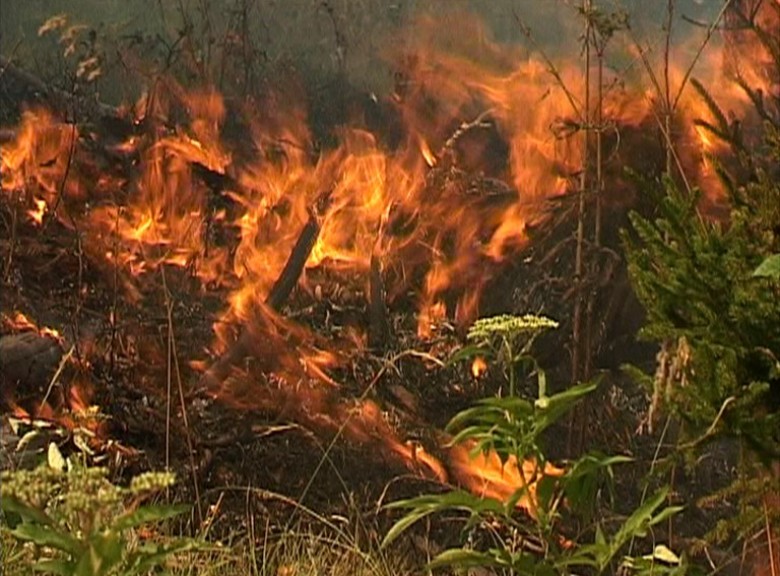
509, 327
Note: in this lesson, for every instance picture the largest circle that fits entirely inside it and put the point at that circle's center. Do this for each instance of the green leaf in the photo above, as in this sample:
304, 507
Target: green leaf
464, 558
102, 556
56, 566
637, 523
425, 505
769, 268
399, 527
150, 556
149, 514
47, 536
665, 514
28, 513
467, 353
558, 404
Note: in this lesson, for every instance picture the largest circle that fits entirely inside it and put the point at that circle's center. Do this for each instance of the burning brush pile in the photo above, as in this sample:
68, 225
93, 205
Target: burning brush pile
211, 275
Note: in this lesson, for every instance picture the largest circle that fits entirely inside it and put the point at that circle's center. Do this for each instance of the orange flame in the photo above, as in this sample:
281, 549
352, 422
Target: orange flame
478, 367
487, 476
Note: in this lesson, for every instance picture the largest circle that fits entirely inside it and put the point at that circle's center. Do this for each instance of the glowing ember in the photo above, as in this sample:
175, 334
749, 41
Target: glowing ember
38, 212
18, 323
478, 367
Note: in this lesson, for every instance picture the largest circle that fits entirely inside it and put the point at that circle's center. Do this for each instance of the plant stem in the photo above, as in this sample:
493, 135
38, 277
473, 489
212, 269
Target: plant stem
576, 357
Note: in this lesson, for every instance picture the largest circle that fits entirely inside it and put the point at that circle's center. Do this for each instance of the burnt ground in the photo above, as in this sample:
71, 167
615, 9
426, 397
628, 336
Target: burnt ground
123, 354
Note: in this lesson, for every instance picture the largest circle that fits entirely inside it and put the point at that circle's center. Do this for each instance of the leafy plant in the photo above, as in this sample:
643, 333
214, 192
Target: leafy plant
512, 427
711, 292
83, 525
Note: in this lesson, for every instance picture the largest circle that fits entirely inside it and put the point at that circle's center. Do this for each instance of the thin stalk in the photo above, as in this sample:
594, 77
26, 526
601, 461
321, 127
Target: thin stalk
172, 369
599, 190
576, 357
668, 112
12, 242
599, 147
668, 106
511, 363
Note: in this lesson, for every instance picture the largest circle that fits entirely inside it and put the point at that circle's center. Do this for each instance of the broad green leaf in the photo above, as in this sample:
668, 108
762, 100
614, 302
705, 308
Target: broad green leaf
600, 540
637, 523
665, 514
25, 511
545, 490
769, 268
585, 555
586, 476
47, 536
56, 566
425, 505
464, 558
149, 514
558, 404
399, 527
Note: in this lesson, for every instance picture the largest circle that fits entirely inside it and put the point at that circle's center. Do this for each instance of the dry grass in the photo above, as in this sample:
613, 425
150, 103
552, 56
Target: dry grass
301, 551
296, 553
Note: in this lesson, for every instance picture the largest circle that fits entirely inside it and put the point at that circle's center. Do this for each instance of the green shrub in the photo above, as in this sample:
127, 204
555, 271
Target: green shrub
81, 524
512, 427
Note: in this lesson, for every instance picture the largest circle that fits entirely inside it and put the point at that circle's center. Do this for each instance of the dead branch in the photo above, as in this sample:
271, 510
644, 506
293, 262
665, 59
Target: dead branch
379, 328
278, 295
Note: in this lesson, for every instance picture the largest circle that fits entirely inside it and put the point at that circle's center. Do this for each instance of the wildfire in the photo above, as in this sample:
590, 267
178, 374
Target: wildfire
489, 137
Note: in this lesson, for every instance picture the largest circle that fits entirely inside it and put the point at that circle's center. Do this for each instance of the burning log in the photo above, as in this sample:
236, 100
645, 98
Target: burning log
292, 269
278, 295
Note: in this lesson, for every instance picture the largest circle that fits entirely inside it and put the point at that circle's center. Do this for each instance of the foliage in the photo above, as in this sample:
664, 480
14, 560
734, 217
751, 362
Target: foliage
711, 290
82, 524
512, 427
769, 268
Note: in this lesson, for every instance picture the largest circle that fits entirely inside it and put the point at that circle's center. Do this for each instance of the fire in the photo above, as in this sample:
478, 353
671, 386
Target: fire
488, 138
486, 475
18, 322
37, 213
32, 165
478, 367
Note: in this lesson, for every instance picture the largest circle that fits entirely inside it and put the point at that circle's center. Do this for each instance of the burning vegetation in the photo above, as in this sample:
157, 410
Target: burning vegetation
203, 258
